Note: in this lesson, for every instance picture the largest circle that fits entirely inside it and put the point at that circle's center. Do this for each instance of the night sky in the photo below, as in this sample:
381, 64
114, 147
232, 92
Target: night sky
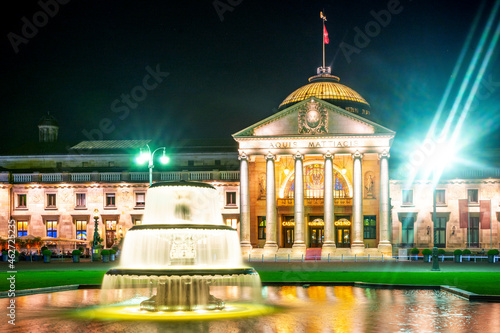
223, 70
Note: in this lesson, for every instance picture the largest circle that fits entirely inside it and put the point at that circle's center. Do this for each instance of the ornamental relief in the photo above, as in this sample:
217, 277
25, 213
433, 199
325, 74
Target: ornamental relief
37, 196
488, 192
313, 119
126, 196
457, 192
95, 195
66, 196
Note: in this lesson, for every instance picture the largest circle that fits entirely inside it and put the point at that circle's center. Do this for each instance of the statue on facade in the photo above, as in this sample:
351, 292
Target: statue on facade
369, 185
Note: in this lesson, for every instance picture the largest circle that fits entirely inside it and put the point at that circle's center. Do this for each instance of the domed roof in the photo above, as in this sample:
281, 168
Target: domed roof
327, 87
48, 120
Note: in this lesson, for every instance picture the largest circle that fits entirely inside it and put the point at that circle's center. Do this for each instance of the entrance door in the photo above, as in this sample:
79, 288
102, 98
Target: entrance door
110, 233
343, 236
316, 231
317, 236
288, 236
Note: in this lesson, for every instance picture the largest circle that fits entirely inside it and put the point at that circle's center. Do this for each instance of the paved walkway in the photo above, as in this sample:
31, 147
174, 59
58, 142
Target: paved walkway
446, 266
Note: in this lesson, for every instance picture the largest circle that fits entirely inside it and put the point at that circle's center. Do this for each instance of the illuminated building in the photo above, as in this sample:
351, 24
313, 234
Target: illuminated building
346, 204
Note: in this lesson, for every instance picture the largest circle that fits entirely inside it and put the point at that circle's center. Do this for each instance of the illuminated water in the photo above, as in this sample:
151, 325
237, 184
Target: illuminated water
182, 257
313, 309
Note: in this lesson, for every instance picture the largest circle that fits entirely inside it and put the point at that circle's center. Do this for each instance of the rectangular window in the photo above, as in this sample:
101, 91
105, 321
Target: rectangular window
261, 222
137, 220
473, 195
440, 197
110, 200
140, 199
233, 223
81, 229
440, 232
231, 198
21, 201
81, 200
22, 228
407, 197
407, 231
51, 200
370, 227
473, 232
51, 228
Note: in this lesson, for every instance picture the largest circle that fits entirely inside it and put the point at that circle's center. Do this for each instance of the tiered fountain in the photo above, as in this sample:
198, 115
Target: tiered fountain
182, 257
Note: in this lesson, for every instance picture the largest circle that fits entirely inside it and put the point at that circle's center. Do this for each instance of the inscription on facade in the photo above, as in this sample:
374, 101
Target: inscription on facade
315, 144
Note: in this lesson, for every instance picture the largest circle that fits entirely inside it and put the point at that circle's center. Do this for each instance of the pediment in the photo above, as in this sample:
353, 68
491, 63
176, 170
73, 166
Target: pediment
313, 117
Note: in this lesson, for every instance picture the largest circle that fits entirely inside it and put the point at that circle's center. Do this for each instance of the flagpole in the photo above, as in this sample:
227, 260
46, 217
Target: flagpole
323, 18
323, 43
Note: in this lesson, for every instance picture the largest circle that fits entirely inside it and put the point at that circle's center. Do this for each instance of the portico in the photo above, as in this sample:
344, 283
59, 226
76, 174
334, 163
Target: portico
315, 175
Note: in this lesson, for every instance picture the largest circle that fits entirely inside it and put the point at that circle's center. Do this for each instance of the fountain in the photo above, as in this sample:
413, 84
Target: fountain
182, 257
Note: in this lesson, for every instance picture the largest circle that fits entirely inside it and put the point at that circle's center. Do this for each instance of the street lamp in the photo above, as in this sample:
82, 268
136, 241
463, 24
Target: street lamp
147, 155
96, 243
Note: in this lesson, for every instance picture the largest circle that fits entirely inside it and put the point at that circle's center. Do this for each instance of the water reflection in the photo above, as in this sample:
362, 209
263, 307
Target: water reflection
313, 309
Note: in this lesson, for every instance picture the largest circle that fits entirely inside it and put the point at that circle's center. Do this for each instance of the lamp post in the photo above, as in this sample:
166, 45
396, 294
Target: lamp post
147, 155
96, 243
435, 258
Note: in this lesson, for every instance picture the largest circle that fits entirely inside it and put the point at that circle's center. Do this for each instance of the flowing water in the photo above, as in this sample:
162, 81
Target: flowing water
182, 256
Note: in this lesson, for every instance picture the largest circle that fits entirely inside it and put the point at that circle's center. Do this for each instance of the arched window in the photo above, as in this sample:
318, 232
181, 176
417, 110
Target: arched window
314, 179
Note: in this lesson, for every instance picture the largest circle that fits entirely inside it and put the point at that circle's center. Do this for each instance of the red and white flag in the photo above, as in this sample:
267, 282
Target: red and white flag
326, 40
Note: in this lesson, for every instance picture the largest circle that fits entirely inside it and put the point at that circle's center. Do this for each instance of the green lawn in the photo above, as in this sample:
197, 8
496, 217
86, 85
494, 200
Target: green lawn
480, 283
40, 279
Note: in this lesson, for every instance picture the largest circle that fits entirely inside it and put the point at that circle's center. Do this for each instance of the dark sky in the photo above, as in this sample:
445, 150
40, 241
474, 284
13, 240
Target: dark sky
224, 75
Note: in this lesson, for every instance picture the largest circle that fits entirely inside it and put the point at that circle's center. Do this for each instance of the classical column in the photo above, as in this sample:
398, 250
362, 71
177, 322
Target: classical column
329, 242
384, 244
299, 230
270, 204
245, 244
357, 244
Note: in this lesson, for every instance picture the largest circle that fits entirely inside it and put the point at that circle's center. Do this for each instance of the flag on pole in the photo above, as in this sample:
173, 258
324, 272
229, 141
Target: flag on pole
326, 40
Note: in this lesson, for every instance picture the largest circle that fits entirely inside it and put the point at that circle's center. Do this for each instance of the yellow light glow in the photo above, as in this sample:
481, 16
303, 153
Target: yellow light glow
133, 313
324, 90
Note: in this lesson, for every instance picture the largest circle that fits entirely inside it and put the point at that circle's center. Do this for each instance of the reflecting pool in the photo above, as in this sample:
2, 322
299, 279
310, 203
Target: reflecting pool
312, 309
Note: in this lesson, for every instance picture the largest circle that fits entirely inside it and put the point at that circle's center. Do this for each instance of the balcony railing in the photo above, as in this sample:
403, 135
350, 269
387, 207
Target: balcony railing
81, 177
171, 176
139, 176
201, 175
229, 175
22, 178
142, 177
110, 176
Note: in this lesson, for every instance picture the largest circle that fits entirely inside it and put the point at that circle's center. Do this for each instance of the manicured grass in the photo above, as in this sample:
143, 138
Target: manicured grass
484, 283
480, 283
